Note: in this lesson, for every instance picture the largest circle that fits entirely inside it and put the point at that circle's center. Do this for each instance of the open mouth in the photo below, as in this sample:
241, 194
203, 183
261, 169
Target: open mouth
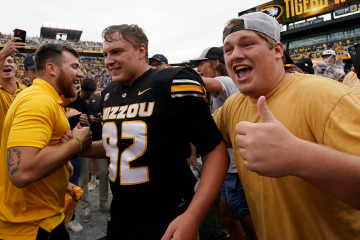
7, 70
243, 71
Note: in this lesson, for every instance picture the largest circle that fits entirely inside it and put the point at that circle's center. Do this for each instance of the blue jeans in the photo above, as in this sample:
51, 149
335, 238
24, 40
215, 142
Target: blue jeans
76, 162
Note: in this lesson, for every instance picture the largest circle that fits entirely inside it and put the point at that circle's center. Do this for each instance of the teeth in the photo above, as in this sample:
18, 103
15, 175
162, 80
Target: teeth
114, 69
241, 67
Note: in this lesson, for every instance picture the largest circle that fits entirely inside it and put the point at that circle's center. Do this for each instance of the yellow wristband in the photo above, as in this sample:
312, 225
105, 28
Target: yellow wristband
79, 142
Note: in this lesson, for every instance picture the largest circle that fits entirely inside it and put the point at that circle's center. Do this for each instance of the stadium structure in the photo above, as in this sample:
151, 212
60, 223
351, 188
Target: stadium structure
91, 57
62, 34
309, 27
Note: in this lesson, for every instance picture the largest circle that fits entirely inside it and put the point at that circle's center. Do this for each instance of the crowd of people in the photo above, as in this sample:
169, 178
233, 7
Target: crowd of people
277, 140
90, 67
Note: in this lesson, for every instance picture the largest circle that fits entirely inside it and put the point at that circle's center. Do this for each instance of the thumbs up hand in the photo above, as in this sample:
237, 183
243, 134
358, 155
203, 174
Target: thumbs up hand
266, 147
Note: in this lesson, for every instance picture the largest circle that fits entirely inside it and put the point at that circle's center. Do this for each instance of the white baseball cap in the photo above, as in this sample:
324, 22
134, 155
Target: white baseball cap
328, 52
259, 22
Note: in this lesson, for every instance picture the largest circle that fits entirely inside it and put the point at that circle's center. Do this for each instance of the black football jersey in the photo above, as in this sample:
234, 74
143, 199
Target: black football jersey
146, 134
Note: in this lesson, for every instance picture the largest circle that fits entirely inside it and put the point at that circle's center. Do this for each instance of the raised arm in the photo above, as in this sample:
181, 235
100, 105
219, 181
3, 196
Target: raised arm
212, 85
10, 48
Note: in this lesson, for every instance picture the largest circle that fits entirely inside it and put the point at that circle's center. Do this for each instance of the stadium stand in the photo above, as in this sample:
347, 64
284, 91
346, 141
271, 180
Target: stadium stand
314, 47
92, 62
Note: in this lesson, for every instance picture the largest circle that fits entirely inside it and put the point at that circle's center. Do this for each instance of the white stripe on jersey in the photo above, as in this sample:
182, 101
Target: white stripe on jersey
186, 81
187, 95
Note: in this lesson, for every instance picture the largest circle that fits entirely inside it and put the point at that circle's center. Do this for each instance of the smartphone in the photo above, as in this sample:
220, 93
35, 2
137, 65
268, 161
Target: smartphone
354, 52
21, 34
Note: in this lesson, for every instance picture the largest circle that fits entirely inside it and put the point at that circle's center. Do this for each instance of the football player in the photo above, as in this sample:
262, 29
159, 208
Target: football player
150, 117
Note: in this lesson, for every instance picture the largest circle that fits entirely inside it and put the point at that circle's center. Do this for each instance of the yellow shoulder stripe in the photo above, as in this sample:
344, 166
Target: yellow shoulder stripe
185, 88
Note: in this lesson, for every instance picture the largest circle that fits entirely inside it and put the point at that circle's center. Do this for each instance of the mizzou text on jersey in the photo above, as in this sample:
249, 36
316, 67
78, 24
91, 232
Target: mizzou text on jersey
146, 134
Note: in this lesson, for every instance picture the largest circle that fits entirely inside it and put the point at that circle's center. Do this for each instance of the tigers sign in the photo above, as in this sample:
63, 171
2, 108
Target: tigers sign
287, 11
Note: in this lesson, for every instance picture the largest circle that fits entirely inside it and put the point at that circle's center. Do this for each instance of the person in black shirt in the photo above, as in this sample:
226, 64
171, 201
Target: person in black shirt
150, 117
94, 102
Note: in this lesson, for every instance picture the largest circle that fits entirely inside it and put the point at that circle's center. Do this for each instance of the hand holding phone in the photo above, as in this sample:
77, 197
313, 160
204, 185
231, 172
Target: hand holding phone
11, 47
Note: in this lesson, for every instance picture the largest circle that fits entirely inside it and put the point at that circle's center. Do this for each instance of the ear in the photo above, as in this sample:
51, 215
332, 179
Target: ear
142, 51
26, 73
52, 69
279, 50
217, 62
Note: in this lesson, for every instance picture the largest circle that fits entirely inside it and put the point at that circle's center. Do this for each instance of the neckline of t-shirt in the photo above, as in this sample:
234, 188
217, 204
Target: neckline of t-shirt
277, 89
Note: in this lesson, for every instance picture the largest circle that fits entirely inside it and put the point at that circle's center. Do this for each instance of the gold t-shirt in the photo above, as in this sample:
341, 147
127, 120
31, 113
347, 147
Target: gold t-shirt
352, 81
6, 98
316, 110
36, 119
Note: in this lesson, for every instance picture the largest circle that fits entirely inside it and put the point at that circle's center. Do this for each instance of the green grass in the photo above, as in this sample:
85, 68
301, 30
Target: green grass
206, 228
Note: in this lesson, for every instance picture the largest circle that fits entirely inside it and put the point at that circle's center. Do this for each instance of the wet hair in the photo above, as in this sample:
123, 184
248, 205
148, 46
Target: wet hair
50, 52
221, 67
270, 42
130, 33
89, 85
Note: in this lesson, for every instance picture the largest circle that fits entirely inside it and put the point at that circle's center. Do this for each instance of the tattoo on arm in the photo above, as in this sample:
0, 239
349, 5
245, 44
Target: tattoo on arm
10, 160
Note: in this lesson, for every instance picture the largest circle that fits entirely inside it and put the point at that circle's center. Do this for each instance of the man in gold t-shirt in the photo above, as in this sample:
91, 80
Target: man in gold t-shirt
298, 152
9, 86
33, 166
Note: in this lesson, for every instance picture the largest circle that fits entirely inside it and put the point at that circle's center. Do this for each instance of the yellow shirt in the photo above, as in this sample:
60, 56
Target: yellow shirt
35, 119
6, 98
352, 81
314, 109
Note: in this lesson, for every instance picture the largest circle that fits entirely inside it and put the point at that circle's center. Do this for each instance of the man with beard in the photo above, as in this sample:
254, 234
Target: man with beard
9, 86
33, 168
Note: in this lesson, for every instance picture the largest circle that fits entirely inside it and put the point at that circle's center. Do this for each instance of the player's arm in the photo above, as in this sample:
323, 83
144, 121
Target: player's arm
96, 150
204, 134
29, 164
282, 154
212, 85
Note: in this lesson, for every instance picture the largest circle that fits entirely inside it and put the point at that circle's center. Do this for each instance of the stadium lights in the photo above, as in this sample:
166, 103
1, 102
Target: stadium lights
62, 26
